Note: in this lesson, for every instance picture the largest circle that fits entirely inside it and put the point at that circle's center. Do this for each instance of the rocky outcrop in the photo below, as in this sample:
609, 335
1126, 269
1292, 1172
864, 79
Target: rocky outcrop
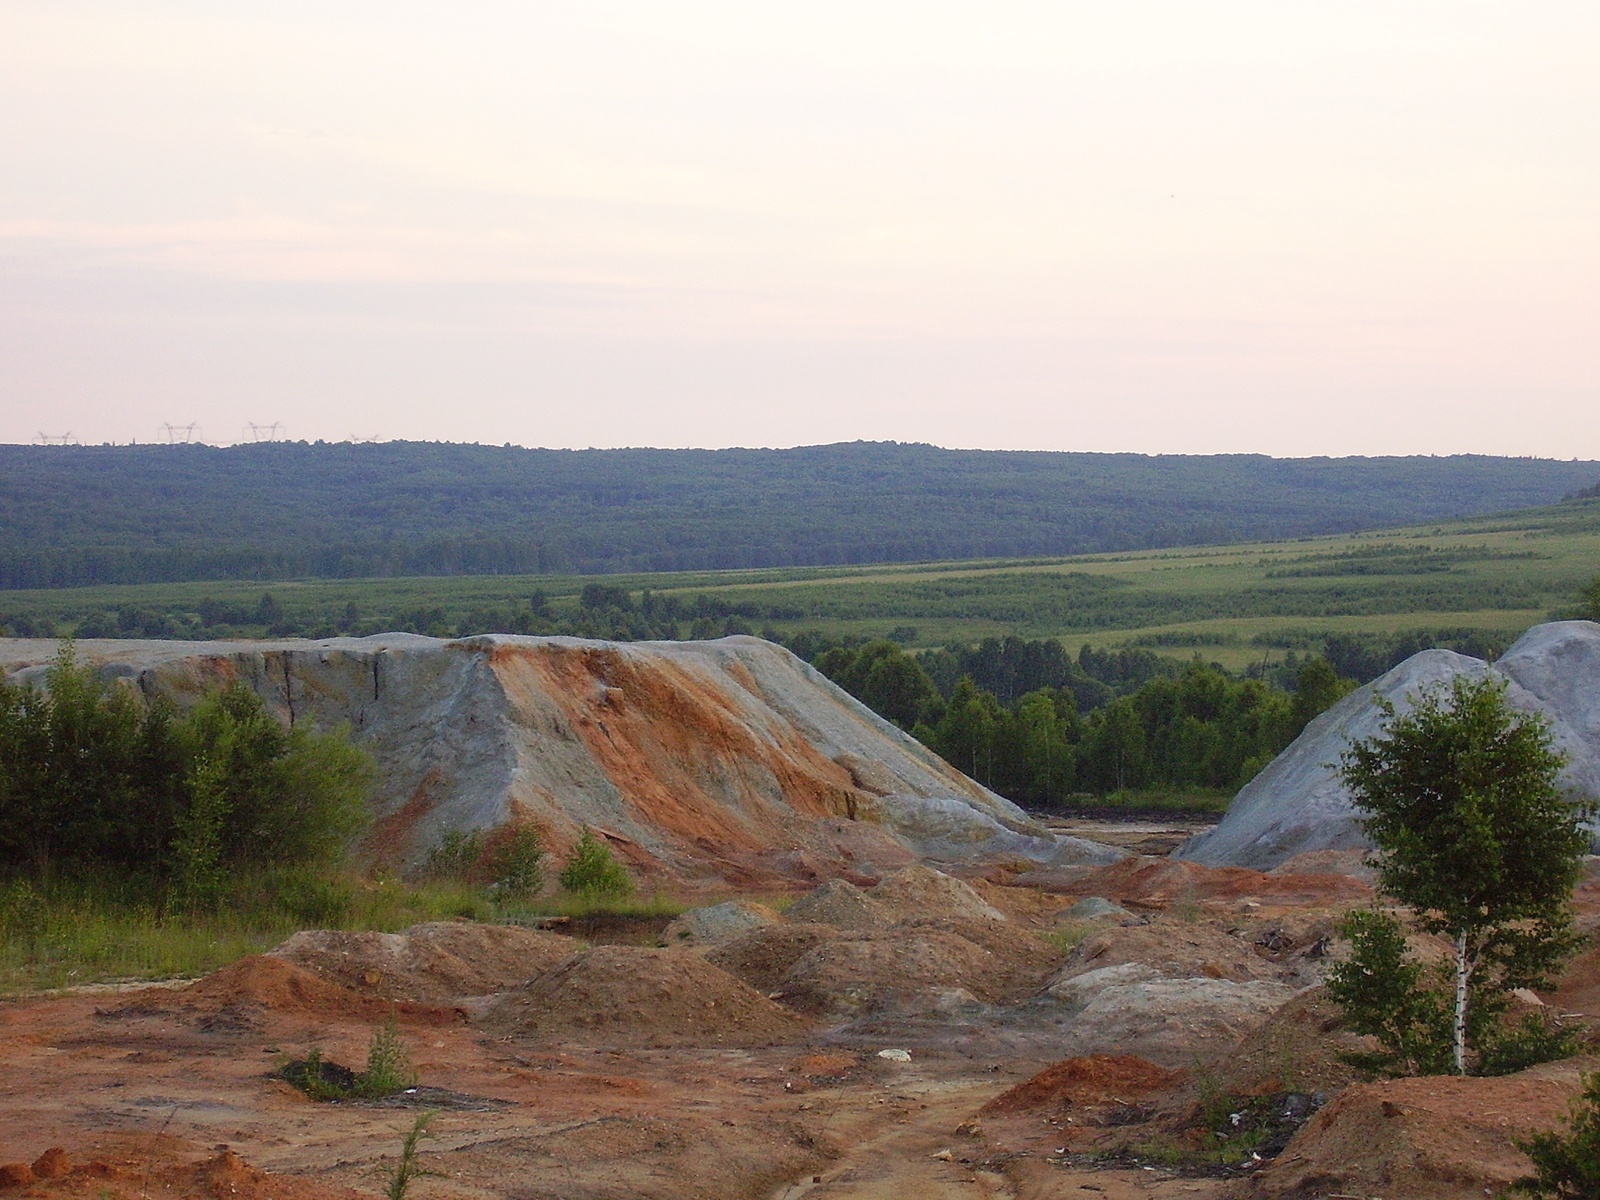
1297, 803
728, 761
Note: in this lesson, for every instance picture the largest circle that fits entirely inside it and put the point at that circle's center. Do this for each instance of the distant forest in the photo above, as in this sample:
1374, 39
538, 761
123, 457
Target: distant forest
73, 516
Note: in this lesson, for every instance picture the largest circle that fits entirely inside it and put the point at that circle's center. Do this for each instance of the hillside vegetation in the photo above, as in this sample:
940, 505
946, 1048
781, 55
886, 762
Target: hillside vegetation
74, 516
1474, 584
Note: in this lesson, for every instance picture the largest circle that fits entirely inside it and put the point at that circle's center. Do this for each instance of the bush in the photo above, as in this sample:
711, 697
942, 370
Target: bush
592, 871
388, 1070
456, 856
516, 862
1567, 1167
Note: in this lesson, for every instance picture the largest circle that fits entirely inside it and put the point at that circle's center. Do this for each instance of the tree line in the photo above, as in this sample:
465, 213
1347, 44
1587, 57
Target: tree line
95, 781
74, 516
1148, 722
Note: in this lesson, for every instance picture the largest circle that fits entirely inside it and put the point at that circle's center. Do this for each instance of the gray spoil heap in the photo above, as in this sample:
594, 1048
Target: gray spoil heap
728, 761
1297, 803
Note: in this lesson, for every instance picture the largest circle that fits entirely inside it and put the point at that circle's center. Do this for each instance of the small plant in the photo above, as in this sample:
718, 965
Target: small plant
516, 863
592, 871
1066, 938
389, 1067
1567, 1166
388, 1070
400, 1178
456, 855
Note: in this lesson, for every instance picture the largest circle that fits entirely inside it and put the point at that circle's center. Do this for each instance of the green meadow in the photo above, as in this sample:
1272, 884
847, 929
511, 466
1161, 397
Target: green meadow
1233, 604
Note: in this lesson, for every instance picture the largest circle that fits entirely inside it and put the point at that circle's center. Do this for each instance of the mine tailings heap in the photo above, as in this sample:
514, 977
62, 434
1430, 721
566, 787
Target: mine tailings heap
1298, 804
728, 762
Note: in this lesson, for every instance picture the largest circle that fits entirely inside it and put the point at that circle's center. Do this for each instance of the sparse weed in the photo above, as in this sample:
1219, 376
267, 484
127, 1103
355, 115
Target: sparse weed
406, 1169
1067, 936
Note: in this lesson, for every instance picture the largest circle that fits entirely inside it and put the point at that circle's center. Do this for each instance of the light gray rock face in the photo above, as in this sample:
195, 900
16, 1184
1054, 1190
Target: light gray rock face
1297, 803
728, 760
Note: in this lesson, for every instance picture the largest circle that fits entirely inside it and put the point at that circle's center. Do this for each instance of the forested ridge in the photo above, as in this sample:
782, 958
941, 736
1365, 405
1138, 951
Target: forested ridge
80, 515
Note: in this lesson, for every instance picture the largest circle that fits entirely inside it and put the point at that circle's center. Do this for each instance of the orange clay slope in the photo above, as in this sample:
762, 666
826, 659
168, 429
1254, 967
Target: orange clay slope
729, 762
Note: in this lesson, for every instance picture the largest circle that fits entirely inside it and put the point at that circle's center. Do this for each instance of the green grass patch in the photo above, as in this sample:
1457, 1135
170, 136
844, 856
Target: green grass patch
70, 933
1155, 801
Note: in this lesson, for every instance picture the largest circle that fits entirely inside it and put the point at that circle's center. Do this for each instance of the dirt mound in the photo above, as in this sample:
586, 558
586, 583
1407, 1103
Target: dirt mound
717, 923
1297, 1050
919, 891
1163, 882
1439, 1138
1092, 1079
1024, 961
505, 955
840, 904
764, 956
53, 1174
1330, 862
262, 981
902, 970
1133, 1009
1578, 989
637, 996
438, 962
1292, 951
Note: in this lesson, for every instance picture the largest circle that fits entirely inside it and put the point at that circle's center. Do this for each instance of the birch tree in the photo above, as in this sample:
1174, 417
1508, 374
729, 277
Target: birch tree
1473, 835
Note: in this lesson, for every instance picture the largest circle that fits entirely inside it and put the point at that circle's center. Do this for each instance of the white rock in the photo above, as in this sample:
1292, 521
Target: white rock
1298, 804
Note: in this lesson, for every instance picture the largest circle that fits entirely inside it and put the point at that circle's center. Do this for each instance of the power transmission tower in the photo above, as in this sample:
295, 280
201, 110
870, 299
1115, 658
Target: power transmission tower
264, 433
57, 439
178, 435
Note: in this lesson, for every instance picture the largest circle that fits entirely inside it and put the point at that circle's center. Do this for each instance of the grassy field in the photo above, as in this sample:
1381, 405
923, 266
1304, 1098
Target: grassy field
1234, 604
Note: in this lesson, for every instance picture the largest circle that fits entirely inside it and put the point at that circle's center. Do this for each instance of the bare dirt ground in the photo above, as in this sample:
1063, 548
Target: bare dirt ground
712, 1085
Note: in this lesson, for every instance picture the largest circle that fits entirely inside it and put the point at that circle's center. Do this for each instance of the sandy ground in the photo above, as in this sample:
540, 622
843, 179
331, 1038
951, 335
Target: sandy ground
157, 1093
804, 1119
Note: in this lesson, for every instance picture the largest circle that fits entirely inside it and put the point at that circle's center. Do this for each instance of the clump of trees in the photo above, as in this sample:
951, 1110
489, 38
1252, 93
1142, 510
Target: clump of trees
1589, 600
1477, 843
97, 784
1036, 741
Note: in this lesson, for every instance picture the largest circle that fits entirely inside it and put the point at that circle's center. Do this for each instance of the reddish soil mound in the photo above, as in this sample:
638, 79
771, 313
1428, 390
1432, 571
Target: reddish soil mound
226, 1177
1291, 952
903, 970
1297, 1050
433, 963
638, 996
271, 983
763, 957
1161, 882
1329, 862
841, 904
1438, 1138
1578, 989
1093, 1079
1023, 959
919, 891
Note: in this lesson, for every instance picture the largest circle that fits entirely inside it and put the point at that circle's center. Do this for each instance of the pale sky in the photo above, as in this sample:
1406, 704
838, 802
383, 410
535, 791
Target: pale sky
1285, 227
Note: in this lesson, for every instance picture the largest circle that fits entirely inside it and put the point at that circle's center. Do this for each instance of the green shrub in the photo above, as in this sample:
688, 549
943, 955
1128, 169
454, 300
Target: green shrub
388, 1070
515, 863
456, 856
1567, 1166
593, 872
389, 1067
